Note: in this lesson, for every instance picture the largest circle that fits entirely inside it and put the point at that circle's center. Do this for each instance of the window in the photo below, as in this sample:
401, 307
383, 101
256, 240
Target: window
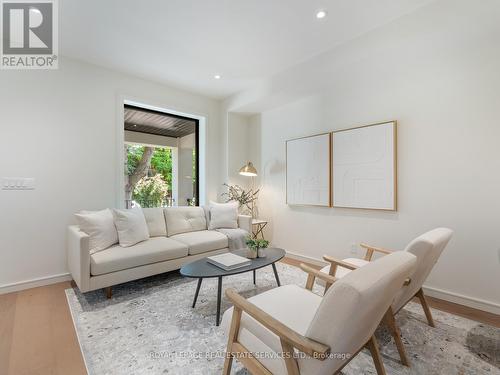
161, 158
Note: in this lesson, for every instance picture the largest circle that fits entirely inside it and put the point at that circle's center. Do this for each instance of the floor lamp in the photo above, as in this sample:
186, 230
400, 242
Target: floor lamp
249, 170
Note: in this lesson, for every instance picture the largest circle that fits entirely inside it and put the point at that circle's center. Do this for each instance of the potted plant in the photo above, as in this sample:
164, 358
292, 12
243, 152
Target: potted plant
256, 247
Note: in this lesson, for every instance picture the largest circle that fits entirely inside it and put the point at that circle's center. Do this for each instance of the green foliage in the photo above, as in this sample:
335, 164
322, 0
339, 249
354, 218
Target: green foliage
161, 163
150, 191
256, 244
134, 155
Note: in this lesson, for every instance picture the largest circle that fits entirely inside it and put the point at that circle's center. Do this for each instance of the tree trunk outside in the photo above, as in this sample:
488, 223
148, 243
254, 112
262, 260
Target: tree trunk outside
140, 171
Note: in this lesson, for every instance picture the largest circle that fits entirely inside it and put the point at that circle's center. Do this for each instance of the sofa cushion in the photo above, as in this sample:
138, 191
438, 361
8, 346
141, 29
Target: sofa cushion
292, 305
184, 219
202, 241
100, 228
117, 258
223, 215
155, 221
131, 226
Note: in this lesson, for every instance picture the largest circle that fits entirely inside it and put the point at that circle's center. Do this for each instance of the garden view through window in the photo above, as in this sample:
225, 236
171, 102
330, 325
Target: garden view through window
161, 160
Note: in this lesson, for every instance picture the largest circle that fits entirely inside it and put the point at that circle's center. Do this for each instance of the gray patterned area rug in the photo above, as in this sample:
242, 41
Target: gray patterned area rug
149, 327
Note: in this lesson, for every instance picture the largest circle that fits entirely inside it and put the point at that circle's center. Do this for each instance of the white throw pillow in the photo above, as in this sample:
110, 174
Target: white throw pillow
131, 226
100, 228
223, 215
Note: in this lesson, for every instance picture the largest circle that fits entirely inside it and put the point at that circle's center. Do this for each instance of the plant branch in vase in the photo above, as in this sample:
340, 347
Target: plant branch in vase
245, 198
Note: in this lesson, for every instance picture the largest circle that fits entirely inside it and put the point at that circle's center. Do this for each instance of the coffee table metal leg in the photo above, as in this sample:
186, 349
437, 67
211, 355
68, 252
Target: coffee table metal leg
254, 283
197, 291
219, 295
276, 274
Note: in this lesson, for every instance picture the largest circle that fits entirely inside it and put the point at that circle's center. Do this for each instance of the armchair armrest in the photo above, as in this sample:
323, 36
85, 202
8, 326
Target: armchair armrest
79, 257
371, 249
337, 262
314, 273
245, 222
295, 339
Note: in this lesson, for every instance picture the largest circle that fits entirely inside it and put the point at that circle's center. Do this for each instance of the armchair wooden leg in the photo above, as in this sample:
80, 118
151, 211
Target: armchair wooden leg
377, 360
310, 282
232, 337
427, 310
292, 367
228, 362
390, 321
109, 292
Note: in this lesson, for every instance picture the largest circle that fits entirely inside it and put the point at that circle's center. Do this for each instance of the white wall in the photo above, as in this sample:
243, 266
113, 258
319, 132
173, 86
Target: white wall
238, 148
185, 171
436, 72
61, 128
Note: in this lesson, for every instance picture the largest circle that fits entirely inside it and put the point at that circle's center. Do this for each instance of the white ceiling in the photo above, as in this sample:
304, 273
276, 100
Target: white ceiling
185, 42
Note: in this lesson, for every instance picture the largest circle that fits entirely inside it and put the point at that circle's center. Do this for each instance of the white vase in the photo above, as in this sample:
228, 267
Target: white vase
261, 253
251, 254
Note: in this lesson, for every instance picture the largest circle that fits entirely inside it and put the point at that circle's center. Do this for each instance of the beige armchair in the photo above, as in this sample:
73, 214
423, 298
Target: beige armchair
291, 330
427, 248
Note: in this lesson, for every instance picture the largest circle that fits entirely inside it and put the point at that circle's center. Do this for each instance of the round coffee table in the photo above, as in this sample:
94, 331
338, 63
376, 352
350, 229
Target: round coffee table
201, 269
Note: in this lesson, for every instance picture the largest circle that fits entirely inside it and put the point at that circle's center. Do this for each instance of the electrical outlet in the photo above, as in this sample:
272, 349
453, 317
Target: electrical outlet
18, 183
354, 249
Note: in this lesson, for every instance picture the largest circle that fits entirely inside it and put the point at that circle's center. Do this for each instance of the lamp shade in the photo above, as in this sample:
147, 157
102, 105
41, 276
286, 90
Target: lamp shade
248, 170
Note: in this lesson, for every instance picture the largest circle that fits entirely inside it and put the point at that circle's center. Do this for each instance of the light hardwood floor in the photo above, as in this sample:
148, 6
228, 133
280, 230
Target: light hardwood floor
37, 336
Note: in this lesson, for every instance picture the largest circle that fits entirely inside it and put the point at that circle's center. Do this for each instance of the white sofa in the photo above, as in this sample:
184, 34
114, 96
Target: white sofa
178, 235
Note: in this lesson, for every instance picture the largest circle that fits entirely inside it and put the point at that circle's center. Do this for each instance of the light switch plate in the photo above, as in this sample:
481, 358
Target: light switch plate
18, 183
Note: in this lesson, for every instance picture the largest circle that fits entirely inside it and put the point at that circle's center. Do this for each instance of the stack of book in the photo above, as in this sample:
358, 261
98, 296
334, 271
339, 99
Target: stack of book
229, 261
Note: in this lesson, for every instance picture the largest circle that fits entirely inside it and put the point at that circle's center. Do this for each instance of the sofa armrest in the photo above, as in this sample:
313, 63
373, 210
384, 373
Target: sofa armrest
79, 257
245, 222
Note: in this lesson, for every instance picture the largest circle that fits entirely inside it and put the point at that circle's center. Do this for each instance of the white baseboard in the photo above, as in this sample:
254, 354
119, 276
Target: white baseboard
445, 295
460, 299
33, 283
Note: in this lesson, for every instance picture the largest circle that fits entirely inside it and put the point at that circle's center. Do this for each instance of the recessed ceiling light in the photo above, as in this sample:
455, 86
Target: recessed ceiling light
217, 76
321, 14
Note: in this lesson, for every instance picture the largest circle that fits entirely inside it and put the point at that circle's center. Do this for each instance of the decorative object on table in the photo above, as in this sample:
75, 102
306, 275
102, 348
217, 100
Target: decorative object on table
249, 170
308, 170
259, 228
245, 198
229, 261
364, 167
256, 247
202, 269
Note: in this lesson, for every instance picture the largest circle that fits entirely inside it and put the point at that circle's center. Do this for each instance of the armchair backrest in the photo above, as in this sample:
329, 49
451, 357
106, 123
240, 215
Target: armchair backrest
354, 306
427, 248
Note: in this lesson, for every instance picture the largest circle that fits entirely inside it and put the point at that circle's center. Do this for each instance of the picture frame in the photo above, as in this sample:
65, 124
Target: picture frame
308, 170
364, 164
